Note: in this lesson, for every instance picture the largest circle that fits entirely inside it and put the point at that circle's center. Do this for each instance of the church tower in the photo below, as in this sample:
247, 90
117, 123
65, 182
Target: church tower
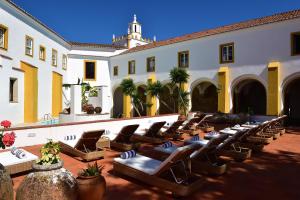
134, 36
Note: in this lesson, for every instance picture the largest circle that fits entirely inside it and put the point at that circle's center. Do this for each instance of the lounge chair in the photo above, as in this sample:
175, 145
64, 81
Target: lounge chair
191, 126
85, 146
151, 135
203, 160
162, 174
16, 165
171, 131
123, 140
231, 148
204, 126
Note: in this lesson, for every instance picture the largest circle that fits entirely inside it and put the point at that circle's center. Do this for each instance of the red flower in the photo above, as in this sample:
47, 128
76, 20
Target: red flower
9, 139
6, 124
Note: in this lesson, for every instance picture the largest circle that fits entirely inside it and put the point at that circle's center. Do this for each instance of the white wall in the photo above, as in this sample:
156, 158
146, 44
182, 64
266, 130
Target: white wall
254, 49
20, 25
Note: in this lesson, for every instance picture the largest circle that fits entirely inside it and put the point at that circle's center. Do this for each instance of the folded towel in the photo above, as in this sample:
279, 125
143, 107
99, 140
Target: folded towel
70, 137
227, 129
195, 138
128, 154
167, 145
237, 126
212, 133
18, 152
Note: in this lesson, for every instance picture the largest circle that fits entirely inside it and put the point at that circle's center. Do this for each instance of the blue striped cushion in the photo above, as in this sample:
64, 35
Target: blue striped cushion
195, 138
167, 145
128, 154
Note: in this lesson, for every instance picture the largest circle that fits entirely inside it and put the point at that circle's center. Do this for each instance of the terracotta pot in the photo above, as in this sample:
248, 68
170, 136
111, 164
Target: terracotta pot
49, 182
90, 110
6, 187
98, 110
91, 187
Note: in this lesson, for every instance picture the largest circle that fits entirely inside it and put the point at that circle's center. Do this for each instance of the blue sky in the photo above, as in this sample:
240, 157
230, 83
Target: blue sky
96, 20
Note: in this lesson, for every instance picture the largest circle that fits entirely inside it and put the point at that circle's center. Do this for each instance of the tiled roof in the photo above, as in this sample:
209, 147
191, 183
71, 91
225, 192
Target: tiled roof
223, 29
95, 45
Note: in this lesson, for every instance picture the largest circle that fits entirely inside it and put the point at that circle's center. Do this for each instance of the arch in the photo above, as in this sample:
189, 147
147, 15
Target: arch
141, 92
201, 80
248, 77
169, 99
291, 98
204, 97
249, 96
118, 102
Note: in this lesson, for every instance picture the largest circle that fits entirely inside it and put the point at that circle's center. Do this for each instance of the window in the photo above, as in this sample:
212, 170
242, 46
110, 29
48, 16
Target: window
151, 64
42, 53
183, 59
116, 71
131, 67
227, 53
90, 70
295, 43
13, 90
64, 62
54, 57
28, 46
3, 37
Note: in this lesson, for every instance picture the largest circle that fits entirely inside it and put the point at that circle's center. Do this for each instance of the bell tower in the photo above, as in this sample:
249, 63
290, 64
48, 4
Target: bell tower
134, 36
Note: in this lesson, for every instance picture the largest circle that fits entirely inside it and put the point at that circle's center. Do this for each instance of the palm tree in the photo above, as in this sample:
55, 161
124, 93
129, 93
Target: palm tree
179, 77
129, 89
155, 90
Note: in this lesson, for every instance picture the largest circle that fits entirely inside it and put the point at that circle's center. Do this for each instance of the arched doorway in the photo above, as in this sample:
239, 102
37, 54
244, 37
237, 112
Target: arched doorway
205, 97
118, 103
292, 102
169, 100
249, 96
141, 106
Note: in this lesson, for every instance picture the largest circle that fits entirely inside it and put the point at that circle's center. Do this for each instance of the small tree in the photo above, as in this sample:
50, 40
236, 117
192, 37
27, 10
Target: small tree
179, 77
155, 90
129, 88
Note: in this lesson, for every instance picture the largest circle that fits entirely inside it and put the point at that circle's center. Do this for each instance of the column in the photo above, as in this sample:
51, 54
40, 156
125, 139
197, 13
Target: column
223, 94
273, 93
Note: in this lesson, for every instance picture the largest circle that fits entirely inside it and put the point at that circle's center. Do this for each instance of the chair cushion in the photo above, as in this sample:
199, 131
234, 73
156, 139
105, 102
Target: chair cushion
168, 150
200, 142
141, 163
8, 159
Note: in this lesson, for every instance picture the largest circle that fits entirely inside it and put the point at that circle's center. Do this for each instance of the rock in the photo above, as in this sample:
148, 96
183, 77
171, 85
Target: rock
6, 187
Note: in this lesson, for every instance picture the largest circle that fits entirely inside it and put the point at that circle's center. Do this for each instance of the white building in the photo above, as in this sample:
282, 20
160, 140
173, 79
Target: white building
252, 66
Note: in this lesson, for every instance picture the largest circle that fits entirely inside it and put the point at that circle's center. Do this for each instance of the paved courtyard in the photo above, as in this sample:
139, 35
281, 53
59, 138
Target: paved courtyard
271, 174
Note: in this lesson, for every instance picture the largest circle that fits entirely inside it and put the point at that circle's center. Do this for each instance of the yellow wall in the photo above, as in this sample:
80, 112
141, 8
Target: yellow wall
126, 106
30, 93
151, 111
223, 94
273, 97
56, 94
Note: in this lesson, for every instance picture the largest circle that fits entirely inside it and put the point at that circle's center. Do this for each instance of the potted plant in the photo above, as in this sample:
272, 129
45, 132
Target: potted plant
91, 184
48, 176
98, 110
7, 139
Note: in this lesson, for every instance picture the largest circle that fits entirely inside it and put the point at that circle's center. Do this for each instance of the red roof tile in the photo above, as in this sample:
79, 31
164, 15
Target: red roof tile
223, 29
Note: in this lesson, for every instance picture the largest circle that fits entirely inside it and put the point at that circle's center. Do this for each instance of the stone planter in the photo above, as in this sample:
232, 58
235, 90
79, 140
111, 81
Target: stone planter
48, 183
91, 187
6, 187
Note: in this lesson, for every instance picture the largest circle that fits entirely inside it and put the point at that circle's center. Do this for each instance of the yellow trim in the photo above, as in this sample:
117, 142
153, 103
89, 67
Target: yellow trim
178, 58
28, 37
151, 111
220, 53
223, 94
274, 97
54, 65
84, 70
148, 64
43, 59
66, 66
126, 106
30, 92
292, 44
56, 94
5, 37
129, 66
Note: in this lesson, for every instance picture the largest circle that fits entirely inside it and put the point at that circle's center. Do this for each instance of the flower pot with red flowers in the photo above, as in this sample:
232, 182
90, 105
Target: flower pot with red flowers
7, 138
91, 184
